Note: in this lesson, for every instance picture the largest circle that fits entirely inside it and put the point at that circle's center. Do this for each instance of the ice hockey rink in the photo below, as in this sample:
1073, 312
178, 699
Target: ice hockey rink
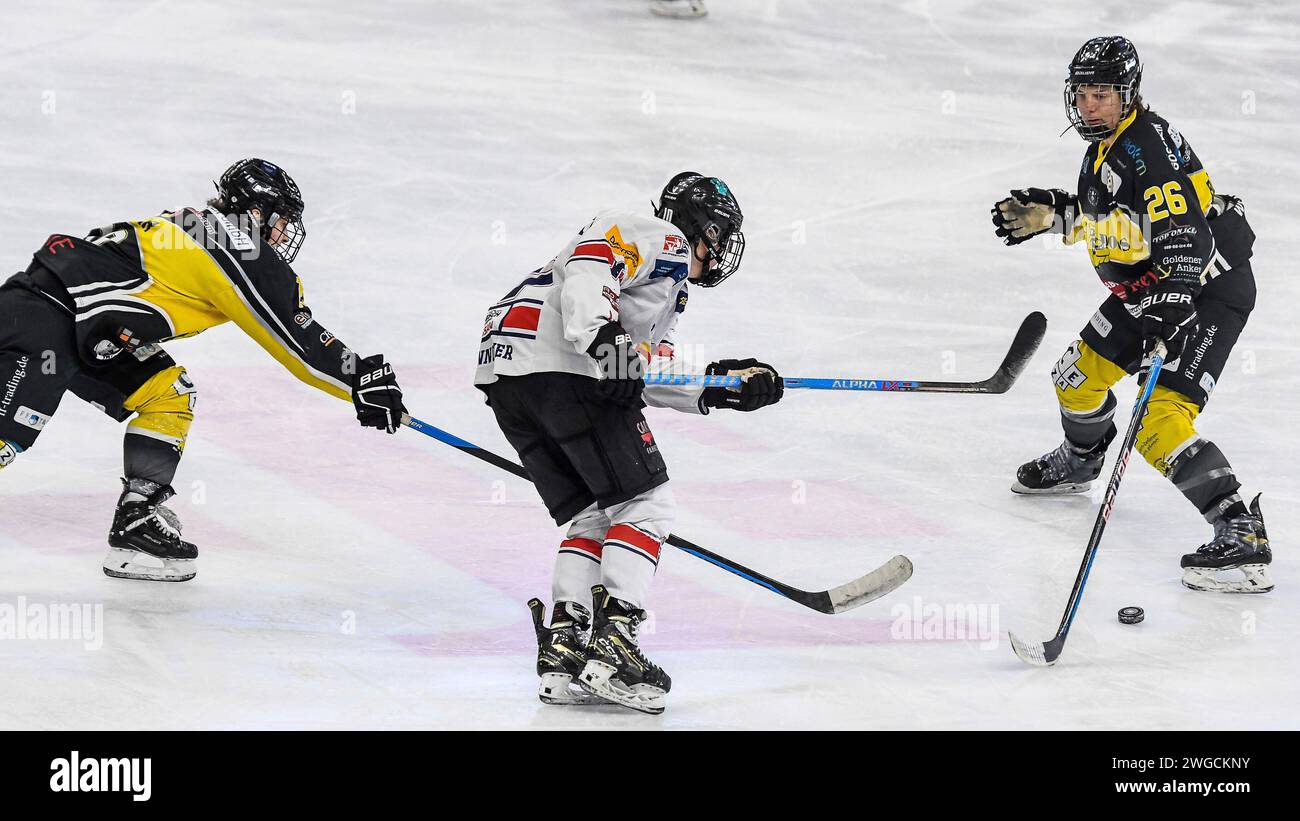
349, 579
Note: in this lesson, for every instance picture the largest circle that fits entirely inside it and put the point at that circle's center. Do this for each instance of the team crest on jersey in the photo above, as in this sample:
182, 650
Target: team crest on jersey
675, 245
626, 251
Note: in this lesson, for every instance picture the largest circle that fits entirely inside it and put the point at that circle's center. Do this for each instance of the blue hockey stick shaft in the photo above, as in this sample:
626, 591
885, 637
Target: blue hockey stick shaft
793, 382
1023, 346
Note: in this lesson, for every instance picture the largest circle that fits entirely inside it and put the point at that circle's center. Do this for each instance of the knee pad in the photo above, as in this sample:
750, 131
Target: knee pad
1083, 379
8, 453
164, 407
1167, 429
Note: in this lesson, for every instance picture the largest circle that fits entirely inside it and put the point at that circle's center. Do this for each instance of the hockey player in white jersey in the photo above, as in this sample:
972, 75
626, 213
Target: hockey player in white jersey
562, 360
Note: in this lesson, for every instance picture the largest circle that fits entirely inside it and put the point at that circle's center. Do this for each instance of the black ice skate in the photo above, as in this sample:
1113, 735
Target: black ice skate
561, 653
1068, 469
1239, 543
616, 669
145, 540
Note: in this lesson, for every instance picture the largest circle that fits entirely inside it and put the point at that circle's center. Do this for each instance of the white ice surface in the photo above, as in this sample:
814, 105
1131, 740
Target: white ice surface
349, 579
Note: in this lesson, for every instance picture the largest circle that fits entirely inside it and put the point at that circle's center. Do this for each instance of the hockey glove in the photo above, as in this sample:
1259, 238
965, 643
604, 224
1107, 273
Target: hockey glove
762, 385
375, 394
622, 369
1029, 212
1169, 314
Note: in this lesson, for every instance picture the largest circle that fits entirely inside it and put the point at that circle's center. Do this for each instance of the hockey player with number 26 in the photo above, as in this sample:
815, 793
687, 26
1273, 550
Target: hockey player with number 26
561, 360
1176, 257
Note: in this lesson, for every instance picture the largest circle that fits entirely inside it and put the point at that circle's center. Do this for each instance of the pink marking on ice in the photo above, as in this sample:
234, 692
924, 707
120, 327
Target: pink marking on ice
825, 509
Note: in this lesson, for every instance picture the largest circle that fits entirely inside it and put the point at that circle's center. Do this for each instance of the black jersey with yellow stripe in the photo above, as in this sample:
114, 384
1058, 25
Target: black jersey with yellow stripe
1143, 202
182, 272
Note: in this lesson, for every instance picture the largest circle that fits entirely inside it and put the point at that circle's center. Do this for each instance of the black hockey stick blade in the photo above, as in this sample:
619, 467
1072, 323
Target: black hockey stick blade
1023, 347
880, 582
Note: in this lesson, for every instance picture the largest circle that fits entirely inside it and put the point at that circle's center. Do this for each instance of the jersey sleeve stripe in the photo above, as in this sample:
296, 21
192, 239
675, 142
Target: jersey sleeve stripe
522, 318
595, 251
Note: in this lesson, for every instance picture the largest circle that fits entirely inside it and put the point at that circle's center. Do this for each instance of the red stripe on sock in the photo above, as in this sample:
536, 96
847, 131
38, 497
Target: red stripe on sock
589, 546
631, 536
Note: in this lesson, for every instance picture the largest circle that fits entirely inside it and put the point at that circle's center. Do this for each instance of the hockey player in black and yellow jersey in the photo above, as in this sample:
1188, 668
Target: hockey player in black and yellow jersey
88, 314
1176, 257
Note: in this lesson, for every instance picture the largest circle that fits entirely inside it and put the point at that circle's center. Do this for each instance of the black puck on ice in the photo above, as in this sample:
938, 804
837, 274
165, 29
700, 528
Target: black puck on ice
1130, 615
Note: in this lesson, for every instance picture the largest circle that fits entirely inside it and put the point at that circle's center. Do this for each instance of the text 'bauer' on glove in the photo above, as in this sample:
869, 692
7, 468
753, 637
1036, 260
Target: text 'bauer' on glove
375, 394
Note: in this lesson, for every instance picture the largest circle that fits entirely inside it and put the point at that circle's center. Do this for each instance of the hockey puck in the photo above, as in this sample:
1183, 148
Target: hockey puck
1130, 615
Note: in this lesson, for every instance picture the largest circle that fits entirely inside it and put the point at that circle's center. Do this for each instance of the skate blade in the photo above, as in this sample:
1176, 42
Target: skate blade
556, 689
120, 563
1256, 579
598, 679
671, 10
1057, 490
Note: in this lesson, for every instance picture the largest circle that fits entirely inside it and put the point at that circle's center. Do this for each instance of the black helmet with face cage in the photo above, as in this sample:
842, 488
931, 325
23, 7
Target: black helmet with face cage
705, 210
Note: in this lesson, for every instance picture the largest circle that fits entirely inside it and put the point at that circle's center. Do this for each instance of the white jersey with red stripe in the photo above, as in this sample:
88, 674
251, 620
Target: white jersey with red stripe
622, 267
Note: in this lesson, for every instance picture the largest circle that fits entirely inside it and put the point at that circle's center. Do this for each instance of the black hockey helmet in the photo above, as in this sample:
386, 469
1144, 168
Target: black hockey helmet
1103, 61
257, 184
705, 210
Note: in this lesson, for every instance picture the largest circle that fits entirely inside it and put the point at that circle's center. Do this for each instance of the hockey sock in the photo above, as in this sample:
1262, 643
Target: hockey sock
1196, 466
155, 438
1204, 476
577, 564
1082, 378
636, 534
1087, 429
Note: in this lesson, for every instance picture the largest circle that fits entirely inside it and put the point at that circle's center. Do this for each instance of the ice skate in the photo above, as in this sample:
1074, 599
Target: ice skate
616, 669
561, 653
145, 540
1239, 543
1068, 469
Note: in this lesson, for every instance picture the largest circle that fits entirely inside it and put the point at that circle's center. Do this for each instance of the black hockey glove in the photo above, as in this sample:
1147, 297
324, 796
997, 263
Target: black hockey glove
622, 368
375, 394
1029, 212
762, 385
1169, 314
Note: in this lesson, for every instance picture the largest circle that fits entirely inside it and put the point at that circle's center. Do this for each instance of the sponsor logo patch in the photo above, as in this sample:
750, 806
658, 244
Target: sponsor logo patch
1109, 178
675, 245
30, 418
238, 239
627, 251
1100, 324
1066, 373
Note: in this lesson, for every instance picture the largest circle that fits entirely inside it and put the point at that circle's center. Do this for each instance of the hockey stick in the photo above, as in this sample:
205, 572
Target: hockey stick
1022, 350
884, 579
1046, 653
